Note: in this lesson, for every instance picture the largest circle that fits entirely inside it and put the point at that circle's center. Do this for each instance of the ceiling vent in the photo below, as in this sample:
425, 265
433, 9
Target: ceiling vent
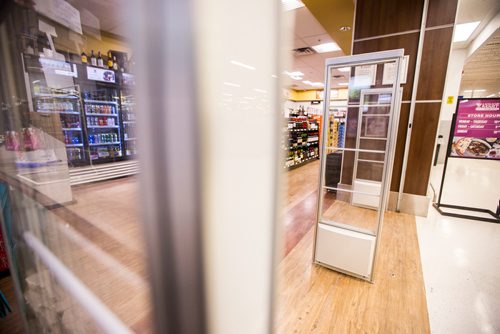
303, 51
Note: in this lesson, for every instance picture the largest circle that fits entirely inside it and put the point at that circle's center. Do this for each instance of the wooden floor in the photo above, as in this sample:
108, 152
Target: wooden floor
312, 299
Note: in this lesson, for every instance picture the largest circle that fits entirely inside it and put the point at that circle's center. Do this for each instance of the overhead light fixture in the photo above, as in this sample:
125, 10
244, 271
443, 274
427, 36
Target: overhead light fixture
231, 84
237, 63
260, 90
326, 47
344, 69
479, 90
491, 95
345, 28
314, 84
343, 84
291, 4
467, 90
464, 30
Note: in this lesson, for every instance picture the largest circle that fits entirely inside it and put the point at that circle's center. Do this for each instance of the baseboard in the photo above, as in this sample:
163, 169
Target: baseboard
412, 204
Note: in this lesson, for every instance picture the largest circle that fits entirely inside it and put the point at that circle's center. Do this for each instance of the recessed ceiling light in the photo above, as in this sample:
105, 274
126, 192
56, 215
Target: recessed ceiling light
344, 69
291, 4
231, 84
237, 63
464, 30
259, 90
343, 84
345, 28
326, 47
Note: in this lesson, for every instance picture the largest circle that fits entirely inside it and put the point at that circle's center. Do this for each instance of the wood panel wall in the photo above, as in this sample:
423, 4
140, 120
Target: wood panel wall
401, 20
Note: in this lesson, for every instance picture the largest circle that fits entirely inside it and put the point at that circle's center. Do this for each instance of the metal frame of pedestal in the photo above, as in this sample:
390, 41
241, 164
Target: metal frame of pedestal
343, 231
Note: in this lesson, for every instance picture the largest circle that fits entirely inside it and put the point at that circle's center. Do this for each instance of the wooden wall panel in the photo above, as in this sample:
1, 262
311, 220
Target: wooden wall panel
400, 146
375, 18
441, 12
409, 42
425, 123
434, 63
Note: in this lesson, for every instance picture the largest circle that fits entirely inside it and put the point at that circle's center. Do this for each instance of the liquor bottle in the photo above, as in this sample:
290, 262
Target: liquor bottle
110, 61
115, 64
100, 62
84, 58
93, 60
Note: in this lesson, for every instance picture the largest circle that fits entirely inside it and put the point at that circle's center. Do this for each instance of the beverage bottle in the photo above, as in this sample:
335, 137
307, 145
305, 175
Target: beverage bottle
100, 62
110, 60
115, 64
93, 59
84, 58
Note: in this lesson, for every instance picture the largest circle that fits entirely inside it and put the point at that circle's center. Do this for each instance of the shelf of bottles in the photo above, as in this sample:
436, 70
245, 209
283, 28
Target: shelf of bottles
129, 125
66, 103
102, 124
336, 128
301, 139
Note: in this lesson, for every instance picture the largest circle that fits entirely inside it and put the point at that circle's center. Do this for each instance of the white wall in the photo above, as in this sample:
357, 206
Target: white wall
452, 84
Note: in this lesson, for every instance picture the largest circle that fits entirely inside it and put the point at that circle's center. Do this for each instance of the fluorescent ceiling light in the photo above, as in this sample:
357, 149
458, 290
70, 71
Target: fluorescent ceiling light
344, 69
326, 47
479, 90
231, 84
315, 84
343, 84
237, 63
294, 73
291, 4
464, 30
491, 95
467, 90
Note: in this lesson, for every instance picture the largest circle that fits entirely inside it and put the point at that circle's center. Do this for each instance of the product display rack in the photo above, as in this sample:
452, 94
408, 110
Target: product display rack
129, 125
103, 128
301, 140
66, 103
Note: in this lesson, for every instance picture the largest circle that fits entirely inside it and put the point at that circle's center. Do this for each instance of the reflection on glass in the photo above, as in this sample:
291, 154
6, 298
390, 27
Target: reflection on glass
67, 133
356, 147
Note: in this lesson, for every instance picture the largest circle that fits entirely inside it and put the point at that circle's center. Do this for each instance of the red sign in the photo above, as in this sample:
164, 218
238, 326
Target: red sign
477, 129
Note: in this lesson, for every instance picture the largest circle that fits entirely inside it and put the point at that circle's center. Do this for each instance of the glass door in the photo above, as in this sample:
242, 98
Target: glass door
356, 160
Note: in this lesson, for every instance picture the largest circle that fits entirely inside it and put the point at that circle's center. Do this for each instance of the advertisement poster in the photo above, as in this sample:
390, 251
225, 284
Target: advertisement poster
477, 129
100, 74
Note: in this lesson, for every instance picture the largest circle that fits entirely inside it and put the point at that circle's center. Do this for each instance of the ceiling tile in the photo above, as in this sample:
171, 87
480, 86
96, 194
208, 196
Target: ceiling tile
318, 39
306, 24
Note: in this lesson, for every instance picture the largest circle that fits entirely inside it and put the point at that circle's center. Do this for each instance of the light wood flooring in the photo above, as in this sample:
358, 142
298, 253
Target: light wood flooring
311, 299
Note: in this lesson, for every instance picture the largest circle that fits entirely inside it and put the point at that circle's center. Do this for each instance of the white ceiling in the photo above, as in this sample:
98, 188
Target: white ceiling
474, 11
481, 72
308, 31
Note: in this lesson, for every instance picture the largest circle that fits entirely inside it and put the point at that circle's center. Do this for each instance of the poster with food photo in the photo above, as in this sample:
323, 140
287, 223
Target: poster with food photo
477, 129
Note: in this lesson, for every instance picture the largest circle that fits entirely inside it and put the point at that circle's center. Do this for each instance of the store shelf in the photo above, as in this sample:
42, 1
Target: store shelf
128, 122
302, 162
102, 126
315, 143
74, 145
56, 96
105, 144
72, 129
100, 102
301, 130
129, 139
46, 111
95, 114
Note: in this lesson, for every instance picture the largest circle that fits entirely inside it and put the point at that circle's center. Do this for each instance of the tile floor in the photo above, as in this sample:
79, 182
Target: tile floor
461, 266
